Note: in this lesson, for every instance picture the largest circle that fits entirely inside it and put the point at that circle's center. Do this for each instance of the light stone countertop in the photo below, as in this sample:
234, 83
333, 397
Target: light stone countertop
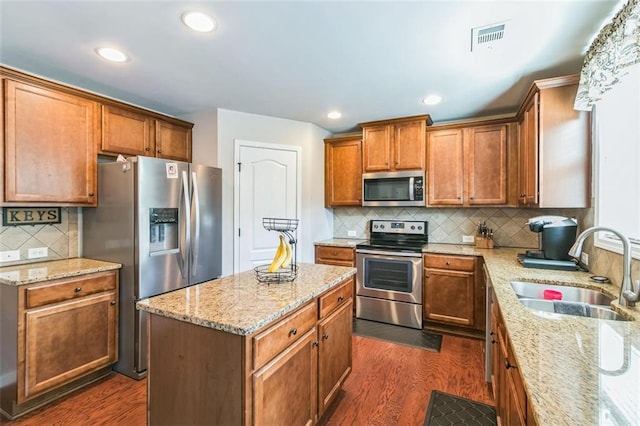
339, 242
29, 273
576, 371
239, 304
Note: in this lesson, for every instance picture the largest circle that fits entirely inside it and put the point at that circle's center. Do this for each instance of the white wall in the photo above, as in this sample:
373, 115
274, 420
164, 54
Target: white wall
204, 137
316, 222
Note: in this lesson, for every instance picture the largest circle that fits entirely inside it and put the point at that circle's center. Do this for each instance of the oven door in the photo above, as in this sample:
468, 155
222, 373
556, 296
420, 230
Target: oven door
389, 275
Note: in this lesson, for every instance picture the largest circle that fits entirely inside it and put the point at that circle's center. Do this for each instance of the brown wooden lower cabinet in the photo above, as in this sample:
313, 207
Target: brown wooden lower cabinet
454, 295
286, 373
337, 256
64, 336
511, 400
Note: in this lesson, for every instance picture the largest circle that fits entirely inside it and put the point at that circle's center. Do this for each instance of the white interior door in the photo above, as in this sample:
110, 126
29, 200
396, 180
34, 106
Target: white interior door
266, 185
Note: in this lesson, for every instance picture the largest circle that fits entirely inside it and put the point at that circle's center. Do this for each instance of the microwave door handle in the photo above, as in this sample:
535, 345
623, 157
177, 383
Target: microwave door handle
412, 196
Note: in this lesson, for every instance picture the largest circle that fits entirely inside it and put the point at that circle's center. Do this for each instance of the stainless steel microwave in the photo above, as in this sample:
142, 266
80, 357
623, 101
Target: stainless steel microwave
393, 189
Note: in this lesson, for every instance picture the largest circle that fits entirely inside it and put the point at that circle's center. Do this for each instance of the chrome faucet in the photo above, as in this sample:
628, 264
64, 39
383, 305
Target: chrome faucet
628, 296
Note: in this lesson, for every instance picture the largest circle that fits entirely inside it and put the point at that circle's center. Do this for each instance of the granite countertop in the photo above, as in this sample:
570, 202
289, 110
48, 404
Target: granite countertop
339, 242
29, 273
239, 304
575, 370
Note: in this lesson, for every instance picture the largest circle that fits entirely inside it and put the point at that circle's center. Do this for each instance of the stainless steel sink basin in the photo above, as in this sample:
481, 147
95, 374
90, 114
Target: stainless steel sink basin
595, 311
531, 290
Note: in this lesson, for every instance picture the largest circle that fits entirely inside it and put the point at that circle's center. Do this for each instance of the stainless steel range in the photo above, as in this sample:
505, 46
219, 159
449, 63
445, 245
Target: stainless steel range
389, 273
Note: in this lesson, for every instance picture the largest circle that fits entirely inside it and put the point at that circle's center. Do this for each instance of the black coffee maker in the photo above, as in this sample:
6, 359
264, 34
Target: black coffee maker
557, 235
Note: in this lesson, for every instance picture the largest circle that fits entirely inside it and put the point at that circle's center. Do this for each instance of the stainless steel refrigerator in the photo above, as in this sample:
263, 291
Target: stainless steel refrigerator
161, 220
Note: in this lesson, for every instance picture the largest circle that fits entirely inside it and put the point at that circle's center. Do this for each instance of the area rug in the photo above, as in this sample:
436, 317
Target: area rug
397, 334
446, 410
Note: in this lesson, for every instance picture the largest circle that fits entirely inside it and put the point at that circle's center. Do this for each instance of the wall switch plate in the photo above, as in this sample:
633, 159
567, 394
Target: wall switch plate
584, 258
351, 233
9, 256
468, 238
38, 252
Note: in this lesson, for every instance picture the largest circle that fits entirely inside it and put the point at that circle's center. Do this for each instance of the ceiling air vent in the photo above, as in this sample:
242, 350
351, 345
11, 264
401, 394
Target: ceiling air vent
487, 37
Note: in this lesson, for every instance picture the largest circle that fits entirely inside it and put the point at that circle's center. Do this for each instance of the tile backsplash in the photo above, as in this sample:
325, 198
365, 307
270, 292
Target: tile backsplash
60, 238
450, 224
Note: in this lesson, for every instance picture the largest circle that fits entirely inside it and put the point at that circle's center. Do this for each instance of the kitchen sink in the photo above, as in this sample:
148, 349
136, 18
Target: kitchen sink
531, 290
574, 301
595, 311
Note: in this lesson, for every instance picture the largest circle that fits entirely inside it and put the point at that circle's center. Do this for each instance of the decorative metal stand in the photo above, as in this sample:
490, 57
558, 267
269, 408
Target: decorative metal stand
287, 228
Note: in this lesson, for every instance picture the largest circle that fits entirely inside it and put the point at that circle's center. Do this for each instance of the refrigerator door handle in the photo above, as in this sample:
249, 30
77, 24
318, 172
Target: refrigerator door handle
196, 241
186, 217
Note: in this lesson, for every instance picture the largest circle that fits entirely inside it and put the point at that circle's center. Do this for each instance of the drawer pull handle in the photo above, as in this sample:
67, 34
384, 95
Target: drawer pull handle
340, 298
508, 365
293, 332
113, 302
325, 336
78, 289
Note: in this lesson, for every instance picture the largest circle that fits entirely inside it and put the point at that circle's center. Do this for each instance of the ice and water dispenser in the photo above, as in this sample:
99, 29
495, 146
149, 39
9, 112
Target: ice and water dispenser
163, 229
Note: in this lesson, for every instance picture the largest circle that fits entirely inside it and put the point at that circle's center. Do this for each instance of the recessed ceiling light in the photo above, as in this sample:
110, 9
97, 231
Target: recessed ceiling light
334, 115
198, 21
432, 100
111, 54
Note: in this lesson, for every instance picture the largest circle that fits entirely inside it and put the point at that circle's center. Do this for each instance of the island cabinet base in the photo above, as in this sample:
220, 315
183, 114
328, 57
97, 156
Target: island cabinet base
287, 372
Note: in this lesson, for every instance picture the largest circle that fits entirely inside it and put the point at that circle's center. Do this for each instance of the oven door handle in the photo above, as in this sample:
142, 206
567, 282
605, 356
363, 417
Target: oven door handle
389, 253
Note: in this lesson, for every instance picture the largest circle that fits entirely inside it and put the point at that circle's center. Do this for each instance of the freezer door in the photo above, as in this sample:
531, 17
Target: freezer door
163, 227
206, 214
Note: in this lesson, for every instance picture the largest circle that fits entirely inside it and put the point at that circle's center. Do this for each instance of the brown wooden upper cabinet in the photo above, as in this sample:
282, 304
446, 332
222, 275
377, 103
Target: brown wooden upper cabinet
468, 166
343, 171
50, 139
554, 144
132, 132
396, 144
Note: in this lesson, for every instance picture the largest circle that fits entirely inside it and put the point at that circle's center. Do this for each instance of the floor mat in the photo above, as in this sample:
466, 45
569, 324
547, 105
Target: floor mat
397, 334
445, 410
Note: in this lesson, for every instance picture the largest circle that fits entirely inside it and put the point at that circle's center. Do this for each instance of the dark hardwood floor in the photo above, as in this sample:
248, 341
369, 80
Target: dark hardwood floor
390, 385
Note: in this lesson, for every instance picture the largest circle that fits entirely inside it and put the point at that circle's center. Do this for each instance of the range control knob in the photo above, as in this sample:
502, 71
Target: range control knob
413, 227
381, 226
375, 226
420, 227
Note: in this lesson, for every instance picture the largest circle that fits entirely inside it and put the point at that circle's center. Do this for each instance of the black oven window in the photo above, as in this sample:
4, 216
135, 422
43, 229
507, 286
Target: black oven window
393, 275
387, 189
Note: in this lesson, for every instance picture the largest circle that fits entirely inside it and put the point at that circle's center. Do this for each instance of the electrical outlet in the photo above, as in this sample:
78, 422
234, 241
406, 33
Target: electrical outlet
584, 258
468, 238
38, 252
9, 256
351, 233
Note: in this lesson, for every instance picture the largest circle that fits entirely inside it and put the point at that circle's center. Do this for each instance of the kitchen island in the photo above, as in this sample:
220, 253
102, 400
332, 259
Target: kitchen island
238, 351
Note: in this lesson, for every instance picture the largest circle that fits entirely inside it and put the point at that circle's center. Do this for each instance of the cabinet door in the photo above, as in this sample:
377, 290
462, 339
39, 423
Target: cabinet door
445, 172
487, 164
68, 340
343, 173
126, 132
173, 142
449, 296
285, 390
51, 139
376, 155
409, 145
528, 153
335, 354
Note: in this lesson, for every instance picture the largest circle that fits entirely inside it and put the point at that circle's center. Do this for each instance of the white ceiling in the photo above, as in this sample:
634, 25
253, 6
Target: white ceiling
301, 59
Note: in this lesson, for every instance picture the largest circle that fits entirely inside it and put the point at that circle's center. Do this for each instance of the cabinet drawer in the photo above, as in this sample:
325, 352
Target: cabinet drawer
335, 297
335, 253
276, 338
459, 263
67, 289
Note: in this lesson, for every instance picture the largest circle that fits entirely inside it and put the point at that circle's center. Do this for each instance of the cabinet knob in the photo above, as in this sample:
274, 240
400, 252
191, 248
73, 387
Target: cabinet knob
78, 289
325, 336
113, 302
293, 332
447, 263
159, 151
459, 198
340, 298
492, 333
508, 365
147, 149
471, 198
91, 194
316, 343
494, 341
